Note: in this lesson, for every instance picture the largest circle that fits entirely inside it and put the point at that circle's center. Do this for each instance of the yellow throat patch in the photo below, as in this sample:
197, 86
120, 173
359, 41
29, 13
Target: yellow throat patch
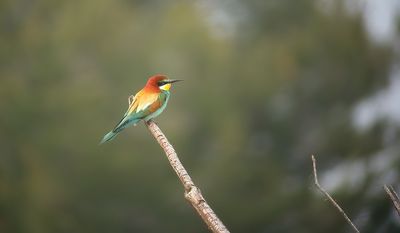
166, 87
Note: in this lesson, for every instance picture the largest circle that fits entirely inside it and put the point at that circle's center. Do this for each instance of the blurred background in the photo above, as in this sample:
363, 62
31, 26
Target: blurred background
267, 84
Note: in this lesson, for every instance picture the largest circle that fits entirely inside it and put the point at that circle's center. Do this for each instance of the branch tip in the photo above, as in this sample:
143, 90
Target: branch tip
393, 197
329, 197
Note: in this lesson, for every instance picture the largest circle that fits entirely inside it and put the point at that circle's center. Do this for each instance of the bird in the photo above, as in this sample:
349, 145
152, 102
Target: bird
147, 104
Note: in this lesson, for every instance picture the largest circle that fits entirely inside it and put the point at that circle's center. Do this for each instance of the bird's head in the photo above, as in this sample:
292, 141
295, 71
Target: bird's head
161, 82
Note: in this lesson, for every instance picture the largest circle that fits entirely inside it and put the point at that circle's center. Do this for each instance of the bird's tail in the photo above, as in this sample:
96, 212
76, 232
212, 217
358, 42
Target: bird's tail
125, 122
109, 136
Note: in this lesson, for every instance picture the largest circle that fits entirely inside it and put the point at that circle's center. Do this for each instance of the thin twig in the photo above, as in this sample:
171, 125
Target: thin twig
329, 196
394, 197
192, 193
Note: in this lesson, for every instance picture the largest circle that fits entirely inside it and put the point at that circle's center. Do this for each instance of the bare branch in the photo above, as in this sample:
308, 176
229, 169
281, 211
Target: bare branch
394, 197
192, 193
336, 205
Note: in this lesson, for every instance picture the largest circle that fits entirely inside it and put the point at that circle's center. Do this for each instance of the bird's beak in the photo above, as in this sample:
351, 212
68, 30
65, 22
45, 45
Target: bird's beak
173, 80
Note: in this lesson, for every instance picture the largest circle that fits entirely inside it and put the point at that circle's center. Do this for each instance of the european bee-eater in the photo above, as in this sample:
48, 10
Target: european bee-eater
147, 104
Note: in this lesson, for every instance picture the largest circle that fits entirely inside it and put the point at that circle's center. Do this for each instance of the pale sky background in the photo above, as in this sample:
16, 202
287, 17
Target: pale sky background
380, 20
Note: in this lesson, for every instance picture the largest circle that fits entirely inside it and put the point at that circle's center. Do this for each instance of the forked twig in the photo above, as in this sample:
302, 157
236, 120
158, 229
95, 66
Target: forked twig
192, 193
322, 190
394, 197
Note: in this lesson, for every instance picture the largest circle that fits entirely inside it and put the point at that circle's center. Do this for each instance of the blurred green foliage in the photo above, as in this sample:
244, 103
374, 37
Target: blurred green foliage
254, 105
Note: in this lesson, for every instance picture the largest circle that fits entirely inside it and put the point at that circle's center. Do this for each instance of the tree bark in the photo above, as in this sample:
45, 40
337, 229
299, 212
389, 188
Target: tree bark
192, 193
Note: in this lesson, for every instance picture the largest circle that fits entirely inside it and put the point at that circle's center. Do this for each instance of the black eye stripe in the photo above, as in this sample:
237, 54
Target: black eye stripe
161, 83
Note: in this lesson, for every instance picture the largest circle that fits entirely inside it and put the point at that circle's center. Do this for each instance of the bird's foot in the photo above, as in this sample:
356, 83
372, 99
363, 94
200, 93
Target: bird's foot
153, 121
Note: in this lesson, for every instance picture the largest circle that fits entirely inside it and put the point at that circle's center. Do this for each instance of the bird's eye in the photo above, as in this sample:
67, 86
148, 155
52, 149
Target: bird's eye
161, 83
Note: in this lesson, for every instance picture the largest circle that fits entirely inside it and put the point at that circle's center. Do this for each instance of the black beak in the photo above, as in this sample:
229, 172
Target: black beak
173, 80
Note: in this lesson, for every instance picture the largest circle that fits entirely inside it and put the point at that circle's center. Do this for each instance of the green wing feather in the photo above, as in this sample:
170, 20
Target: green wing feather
133, 118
